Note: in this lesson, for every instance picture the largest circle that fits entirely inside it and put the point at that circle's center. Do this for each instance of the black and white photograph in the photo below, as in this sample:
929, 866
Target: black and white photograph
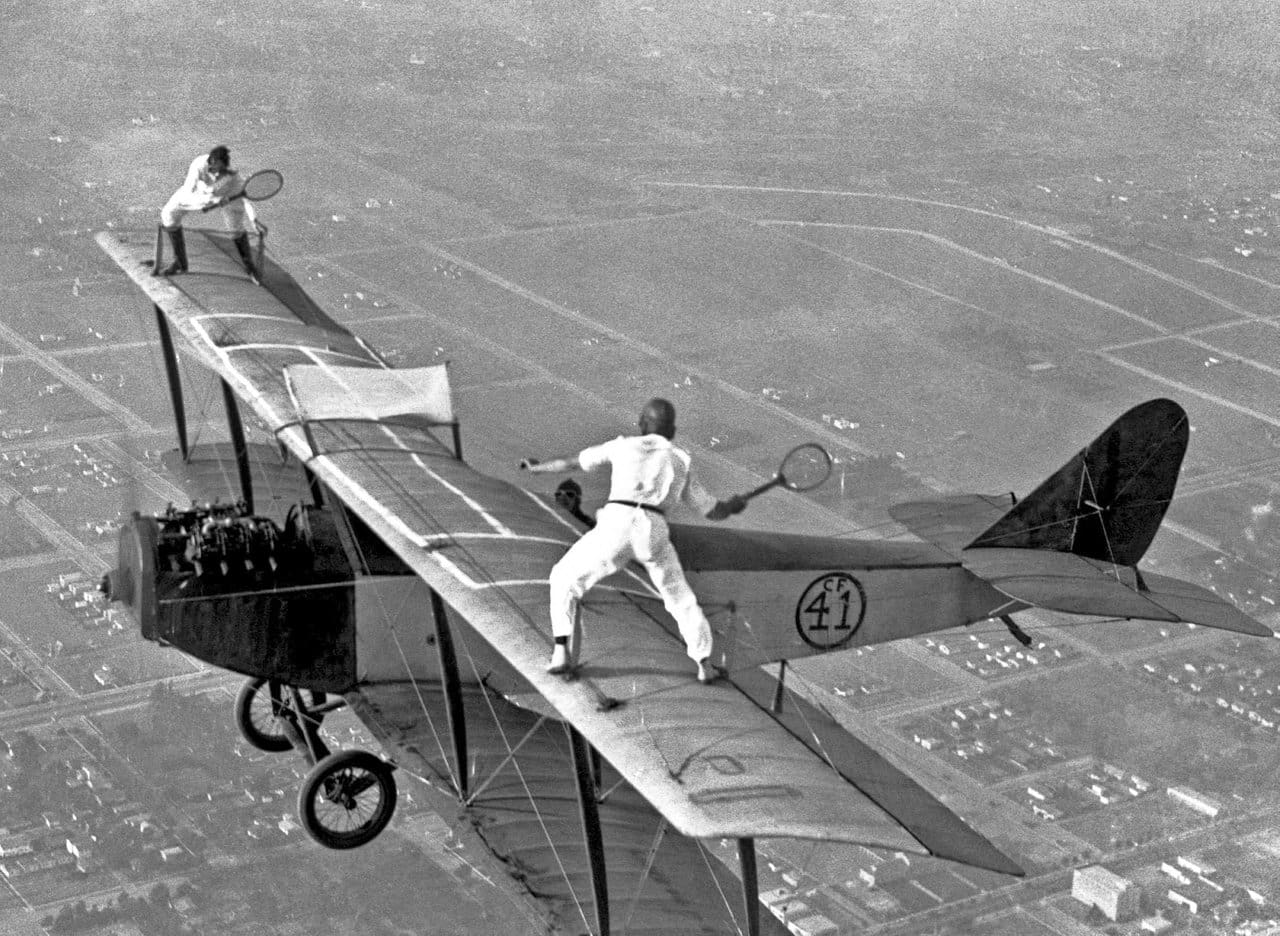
640, 468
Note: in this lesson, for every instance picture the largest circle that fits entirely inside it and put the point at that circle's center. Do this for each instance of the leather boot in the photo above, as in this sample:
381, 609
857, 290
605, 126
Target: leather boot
246, 255
178, 241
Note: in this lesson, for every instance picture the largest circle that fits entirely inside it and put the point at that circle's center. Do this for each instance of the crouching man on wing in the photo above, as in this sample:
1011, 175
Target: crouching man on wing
648, 475
210, 183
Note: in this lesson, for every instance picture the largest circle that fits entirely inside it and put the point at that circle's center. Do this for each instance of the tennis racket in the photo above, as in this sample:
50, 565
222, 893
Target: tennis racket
803, 469
263, 184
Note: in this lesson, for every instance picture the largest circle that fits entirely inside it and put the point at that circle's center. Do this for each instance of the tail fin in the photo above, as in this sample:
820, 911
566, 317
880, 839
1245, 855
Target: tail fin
1108, 501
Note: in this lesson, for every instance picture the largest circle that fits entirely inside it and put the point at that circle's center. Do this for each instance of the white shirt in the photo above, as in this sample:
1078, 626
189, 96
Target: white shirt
648, 469
202, 188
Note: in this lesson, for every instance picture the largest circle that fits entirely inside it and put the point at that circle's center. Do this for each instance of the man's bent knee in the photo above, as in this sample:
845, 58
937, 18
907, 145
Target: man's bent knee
567, 582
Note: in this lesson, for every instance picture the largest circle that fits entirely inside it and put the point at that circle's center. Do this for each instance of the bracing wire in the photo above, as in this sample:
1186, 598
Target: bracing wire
389, 621
724, 898
1086, 477
515, 763
822, 750
422, 703
494, 773
652, 856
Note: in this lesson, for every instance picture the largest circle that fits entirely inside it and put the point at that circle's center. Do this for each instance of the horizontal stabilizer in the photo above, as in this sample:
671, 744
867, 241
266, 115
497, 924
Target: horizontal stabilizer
1077, 585
1201, 606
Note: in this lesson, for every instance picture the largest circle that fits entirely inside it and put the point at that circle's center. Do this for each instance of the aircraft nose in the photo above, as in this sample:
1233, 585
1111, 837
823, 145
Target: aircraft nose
117, 585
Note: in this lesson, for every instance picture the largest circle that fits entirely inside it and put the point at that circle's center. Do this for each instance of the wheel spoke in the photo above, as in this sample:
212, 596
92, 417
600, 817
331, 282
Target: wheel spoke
347, 799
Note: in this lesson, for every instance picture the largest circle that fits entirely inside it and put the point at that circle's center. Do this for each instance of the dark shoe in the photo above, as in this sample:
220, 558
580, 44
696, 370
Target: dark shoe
708, 672
178, 241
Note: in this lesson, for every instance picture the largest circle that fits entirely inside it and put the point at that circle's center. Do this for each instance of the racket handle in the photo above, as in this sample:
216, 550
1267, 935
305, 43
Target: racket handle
777, 480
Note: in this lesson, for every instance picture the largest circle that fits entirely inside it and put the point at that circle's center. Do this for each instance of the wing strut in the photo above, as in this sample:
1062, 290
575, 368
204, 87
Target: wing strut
585, 776
175, 382
452, 692
750, 884
238, 442
1018, 633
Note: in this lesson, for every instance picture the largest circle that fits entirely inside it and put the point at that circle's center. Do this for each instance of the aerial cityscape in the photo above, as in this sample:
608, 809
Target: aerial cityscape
949, 240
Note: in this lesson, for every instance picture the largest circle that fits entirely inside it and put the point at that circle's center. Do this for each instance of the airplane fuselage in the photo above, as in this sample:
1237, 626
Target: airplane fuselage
854, 594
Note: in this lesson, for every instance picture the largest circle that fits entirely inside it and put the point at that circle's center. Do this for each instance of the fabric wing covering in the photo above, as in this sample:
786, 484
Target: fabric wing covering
710, 759
343, 392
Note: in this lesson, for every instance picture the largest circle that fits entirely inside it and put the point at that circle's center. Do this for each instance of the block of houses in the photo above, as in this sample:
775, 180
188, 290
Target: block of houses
1154, 924
1115, 896
813, 925
1206, 805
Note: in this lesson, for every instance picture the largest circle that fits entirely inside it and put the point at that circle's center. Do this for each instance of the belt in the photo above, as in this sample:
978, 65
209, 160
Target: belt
648, 507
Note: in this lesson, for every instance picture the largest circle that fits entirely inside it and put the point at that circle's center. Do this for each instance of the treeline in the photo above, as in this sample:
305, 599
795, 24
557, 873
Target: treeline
153, 914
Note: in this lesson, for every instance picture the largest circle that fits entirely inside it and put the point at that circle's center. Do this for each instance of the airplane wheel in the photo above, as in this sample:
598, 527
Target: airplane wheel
347, 799
259, 715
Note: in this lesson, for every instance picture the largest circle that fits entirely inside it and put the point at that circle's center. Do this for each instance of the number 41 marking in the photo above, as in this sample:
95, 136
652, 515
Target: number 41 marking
820, 606
830, 610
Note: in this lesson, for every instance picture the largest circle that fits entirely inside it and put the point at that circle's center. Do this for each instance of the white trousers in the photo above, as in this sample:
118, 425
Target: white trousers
621, 534
234, 215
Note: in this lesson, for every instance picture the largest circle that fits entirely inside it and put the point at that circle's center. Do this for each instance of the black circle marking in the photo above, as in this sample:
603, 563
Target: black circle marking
830, 611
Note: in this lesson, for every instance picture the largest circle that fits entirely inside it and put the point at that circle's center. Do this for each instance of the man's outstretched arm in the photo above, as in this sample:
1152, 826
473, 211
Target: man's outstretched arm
697, 497
552, 465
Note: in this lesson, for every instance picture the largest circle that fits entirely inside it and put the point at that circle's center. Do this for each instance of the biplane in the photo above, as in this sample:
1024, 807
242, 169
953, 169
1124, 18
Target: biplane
403, 554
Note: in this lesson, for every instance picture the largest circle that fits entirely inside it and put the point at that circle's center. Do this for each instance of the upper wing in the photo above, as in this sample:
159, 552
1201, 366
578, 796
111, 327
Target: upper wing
713, 759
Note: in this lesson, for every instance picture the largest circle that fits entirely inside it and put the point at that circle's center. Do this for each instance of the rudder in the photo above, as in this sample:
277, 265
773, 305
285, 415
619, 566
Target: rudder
1108, 501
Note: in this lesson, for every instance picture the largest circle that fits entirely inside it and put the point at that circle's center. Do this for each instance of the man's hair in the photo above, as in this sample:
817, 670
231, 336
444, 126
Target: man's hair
659, 416
220, 154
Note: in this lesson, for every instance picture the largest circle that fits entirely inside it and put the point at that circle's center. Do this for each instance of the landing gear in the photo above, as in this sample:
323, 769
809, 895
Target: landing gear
347, 799
260, 716
349, 796
267, 719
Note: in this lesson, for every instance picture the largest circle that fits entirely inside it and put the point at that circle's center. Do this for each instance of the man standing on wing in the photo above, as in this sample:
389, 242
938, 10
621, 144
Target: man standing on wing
649, 474
210, 183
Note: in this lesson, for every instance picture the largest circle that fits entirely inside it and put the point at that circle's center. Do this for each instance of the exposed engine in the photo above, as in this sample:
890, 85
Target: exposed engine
239, 591
225, 542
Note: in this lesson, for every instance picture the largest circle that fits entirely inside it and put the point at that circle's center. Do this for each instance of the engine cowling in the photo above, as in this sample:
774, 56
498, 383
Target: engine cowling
240, 592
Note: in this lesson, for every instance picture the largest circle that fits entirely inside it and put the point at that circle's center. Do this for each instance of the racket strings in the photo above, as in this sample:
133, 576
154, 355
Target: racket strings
805, 467
263, 184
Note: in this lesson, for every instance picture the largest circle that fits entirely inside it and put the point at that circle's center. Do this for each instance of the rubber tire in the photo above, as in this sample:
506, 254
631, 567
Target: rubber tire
313, 790
262, 740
